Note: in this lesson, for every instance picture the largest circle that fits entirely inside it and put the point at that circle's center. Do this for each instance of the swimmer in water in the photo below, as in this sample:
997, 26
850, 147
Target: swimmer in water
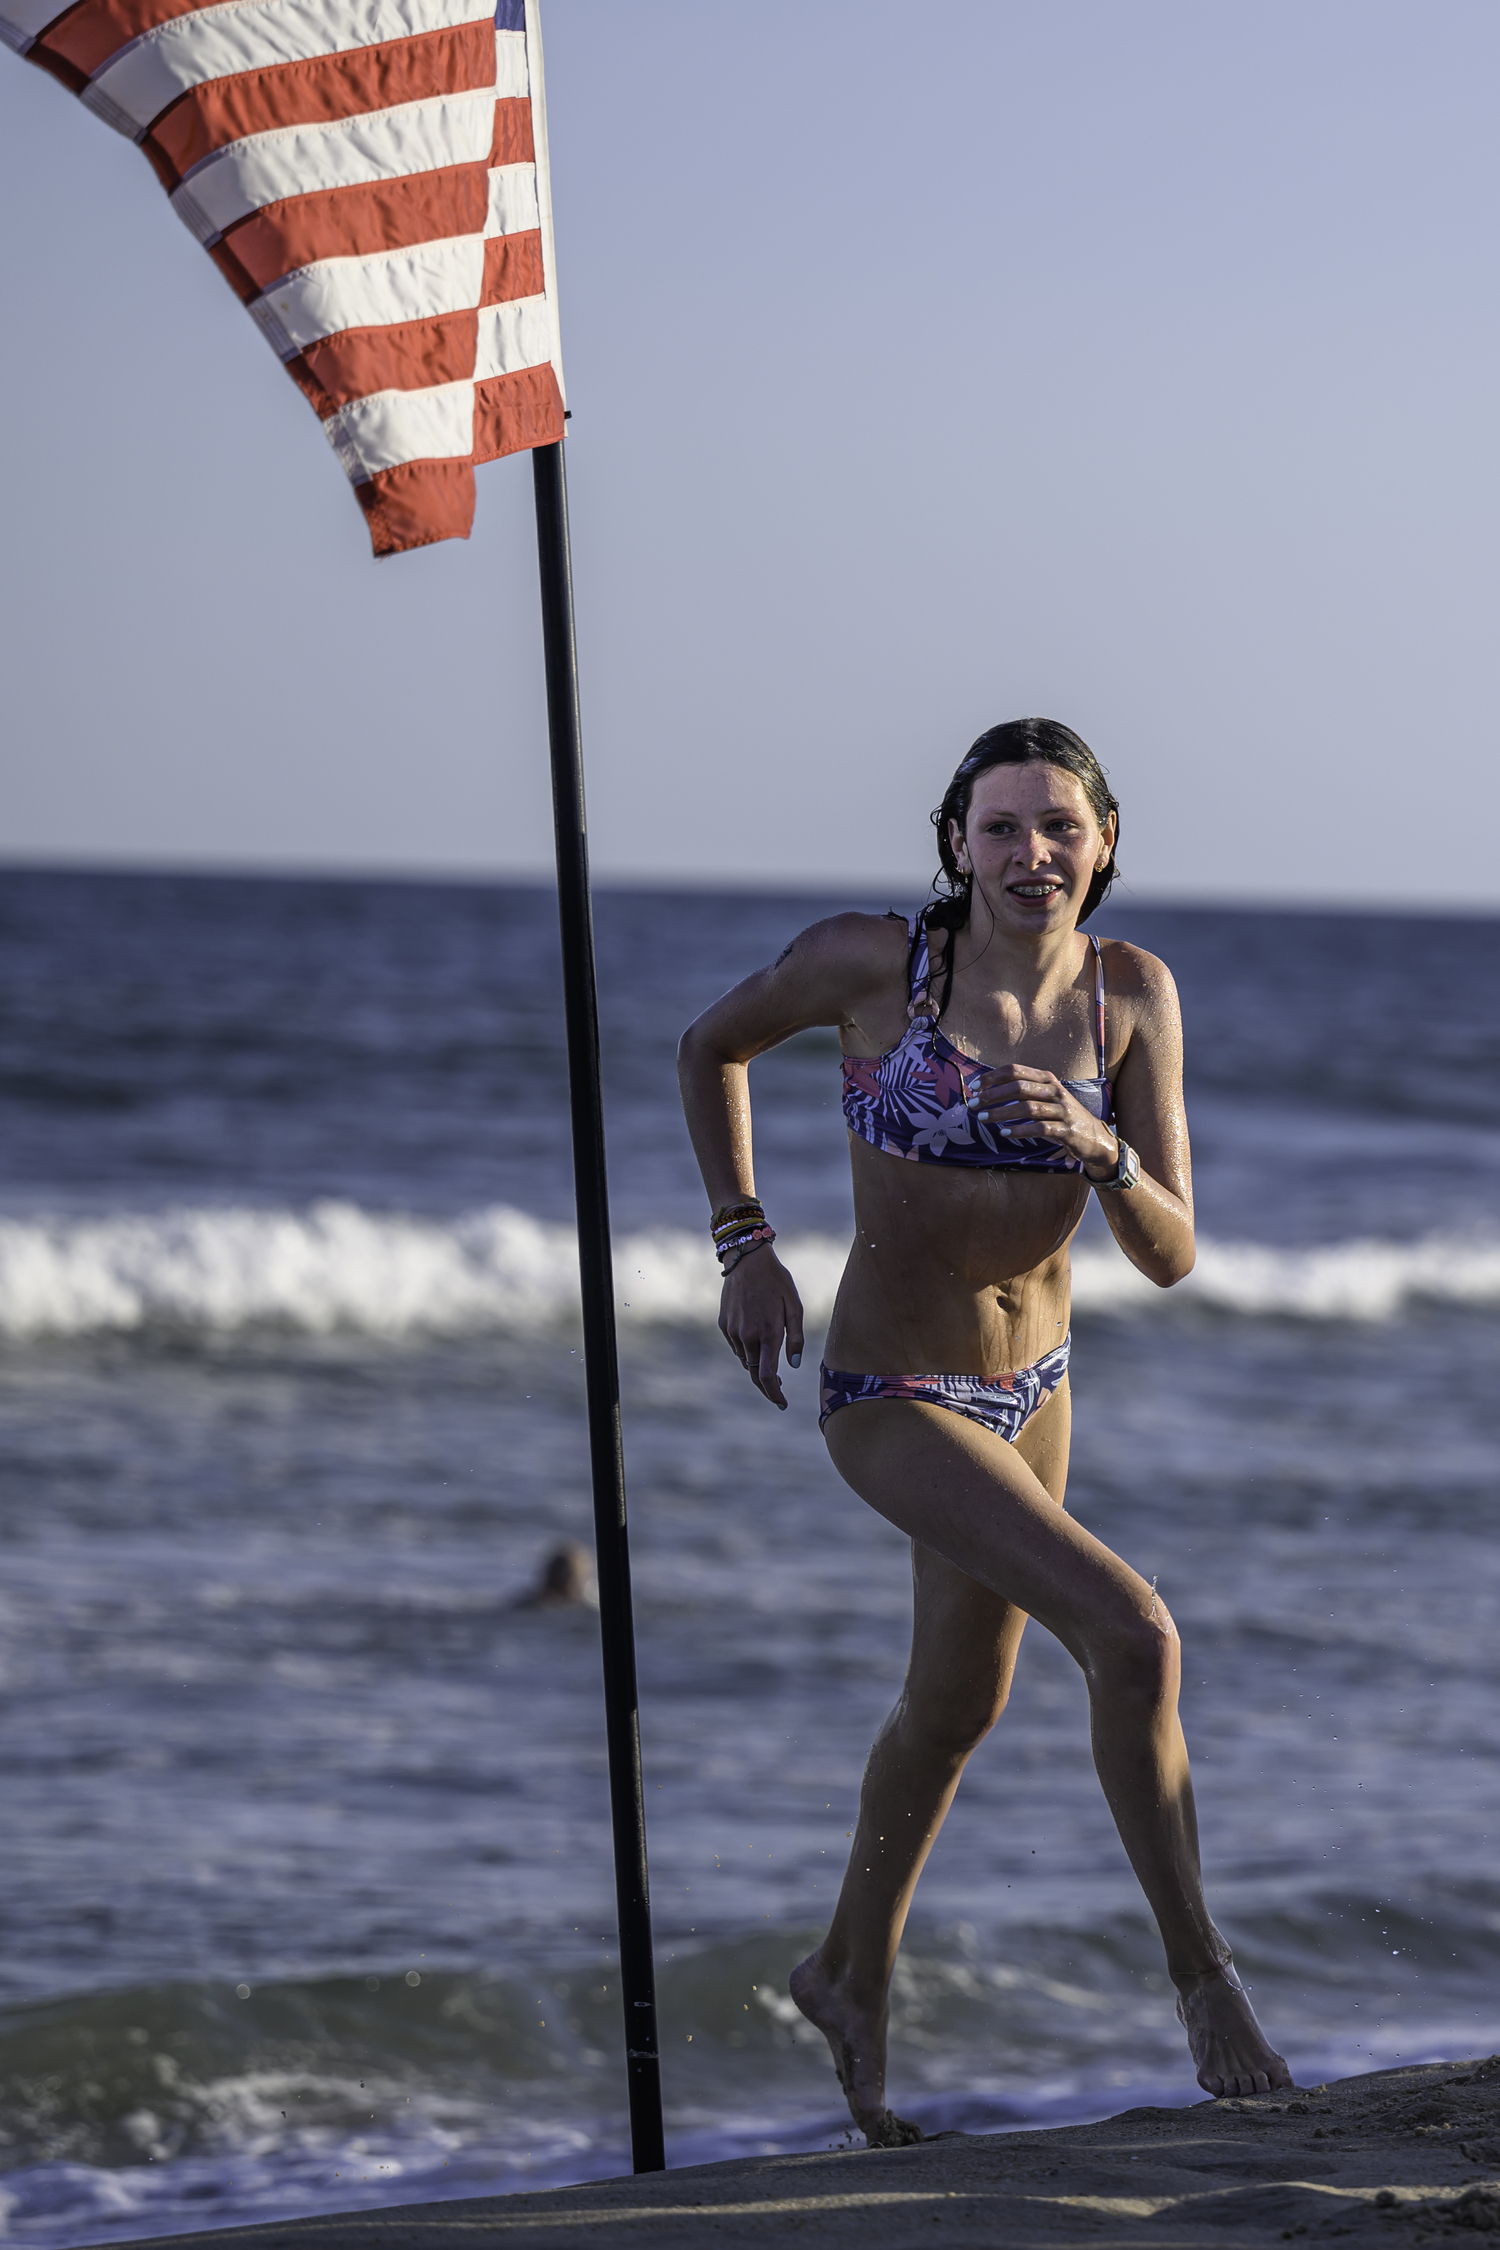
566, 1582
970, 1179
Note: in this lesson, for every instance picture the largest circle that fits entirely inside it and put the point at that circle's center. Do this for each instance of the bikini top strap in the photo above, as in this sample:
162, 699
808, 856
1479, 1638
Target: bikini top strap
921, 960
920, 957
1098, 999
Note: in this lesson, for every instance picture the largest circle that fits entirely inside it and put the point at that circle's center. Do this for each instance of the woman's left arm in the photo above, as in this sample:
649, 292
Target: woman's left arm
1152, 1221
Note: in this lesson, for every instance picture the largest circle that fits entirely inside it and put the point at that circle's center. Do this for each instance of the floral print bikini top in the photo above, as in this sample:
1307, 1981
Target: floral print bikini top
912, 1101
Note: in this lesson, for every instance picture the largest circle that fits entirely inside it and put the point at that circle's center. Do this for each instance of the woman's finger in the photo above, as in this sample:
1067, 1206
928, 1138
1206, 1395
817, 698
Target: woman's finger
1029, 1090
1012, 1089
750, 1349
1019, 1113
1037, 1101
755, 1316
1034, 1097
766, 1377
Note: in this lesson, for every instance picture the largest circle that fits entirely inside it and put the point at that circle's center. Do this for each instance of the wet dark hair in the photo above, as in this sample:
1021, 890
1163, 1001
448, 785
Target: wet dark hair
1016, 742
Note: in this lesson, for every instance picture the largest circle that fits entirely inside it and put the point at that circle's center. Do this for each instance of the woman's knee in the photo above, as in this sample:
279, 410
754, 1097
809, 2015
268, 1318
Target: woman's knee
951, 1725
1139, 1656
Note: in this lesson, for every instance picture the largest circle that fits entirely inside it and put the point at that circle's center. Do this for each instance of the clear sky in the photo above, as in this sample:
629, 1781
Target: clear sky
929, 365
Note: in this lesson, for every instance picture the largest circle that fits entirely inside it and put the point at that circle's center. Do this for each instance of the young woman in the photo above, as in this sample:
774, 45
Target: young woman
945, 1394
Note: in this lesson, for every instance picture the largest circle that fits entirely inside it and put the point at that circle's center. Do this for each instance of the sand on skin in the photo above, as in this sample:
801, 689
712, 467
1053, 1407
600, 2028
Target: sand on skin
1394, 2157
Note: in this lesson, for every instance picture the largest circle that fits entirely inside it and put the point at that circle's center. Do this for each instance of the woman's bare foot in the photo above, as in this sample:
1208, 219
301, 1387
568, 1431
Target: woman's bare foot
856, 2040
1228, 2047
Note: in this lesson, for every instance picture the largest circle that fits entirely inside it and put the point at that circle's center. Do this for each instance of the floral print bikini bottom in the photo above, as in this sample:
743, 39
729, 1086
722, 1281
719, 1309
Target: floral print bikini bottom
1004, 1403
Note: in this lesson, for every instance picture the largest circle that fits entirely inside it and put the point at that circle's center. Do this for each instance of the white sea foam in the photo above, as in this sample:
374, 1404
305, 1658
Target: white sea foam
1365, 1280
336, 1267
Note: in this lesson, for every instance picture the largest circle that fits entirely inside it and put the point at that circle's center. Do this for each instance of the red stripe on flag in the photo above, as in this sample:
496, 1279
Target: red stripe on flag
418, 504
356, 222
512, 412
234, 273
57, 66
513, 268
460, 60
410, 355
513, 143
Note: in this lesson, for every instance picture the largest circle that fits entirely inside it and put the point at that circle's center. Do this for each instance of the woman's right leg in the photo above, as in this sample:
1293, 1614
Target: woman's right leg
964, 1645
963, 1653
970, 1497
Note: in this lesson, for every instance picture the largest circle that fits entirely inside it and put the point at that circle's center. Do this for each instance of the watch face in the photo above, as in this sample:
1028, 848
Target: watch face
1130, 1167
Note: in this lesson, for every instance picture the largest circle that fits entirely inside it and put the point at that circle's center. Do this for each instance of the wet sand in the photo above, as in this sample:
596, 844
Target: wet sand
1397, 2157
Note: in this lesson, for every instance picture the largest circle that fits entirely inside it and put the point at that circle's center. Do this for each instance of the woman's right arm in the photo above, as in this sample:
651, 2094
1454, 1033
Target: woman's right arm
821, 978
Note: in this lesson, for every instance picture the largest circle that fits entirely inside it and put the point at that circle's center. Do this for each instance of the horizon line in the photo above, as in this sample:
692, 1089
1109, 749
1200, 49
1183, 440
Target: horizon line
669, 882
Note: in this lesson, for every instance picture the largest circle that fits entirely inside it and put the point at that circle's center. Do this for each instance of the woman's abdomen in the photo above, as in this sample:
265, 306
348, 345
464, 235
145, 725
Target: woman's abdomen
962, 1273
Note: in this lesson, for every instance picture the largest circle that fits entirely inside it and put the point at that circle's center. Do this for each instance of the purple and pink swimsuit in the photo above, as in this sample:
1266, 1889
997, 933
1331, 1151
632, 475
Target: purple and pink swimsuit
913, 1102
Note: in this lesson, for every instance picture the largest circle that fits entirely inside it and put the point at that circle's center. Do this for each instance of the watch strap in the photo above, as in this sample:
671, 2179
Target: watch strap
1127, 1171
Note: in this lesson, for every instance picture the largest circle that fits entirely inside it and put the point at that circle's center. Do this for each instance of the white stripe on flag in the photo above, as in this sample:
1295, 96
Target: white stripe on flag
375, 292
544, 183
513, 336
511, 83
389, 427
388, 144
139, 82
513, 204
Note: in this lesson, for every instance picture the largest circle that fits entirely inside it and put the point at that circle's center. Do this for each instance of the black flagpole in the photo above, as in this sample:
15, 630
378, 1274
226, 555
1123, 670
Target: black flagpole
611, 1537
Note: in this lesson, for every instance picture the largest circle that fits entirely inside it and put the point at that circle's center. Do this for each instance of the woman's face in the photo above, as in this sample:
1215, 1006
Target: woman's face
1033, 845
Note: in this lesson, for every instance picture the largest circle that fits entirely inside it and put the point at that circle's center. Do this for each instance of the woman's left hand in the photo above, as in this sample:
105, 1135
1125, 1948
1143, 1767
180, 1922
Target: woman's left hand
1035, 1105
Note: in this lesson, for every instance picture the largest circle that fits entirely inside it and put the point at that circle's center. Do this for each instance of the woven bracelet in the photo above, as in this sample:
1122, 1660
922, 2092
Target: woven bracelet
738, 1220
730, 1216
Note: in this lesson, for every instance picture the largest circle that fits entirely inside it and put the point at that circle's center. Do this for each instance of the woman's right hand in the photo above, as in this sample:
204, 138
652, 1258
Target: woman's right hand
758, 1312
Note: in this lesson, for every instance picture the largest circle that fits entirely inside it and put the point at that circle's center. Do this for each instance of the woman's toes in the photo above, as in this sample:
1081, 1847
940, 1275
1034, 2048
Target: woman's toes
892, 2131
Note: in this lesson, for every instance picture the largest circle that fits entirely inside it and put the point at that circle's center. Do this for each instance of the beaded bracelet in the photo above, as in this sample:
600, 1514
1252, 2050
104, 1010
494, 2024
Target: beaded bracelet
732, 1218
730, 1254
738, 1229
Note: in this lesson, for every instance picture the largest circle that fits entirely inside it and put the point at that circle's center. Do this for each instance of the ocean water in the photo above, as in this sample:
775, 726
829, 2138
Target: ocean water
306, 1894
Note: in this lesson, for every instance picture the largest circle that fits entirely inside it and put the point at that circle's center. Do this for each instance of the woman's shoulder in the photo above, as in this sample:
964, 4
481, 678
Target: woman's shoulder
873, 944
1131, 971
1143, 987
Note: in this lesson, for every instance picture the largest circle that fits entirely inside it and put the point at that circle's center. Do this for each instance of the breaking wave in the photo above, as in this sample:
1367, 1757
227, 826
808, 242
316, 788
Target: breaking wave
336, 1267
159, 2108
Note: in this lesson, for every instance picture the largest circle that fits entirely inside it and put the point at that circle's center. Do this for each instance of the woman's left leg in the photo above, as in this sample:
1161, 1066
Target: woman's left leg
974, 1500
965, 1641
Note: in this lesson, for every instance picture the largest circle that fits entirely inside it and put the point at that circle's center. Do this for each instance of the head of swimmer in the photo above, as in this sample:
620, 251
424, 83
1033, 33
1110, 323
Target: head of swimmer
1028, 823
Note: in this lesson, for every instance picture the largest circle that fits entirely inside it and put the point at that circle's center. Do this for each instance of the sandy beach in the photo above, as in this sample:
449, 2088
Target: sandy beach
1398, 2156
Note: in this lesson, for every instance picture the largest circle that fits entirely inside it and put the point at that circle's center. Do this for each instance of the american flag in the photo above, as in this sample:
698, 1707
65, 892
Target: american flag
370, 177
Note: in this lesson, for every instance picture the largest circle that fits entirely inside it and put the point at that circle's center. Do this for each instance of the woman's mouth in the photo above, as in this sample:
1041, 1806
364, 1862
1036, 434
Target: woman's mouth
1039, 890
